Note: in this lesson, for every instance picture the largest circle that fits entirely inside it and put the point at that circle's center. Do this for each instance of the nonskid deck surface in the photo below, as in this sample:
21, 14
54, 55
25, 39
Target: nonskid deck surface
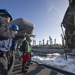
34, 69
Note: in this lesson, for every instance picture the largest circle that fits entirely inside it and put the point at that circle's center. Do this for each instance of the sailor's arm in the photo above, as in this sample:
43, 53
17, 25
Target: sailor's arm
29, 35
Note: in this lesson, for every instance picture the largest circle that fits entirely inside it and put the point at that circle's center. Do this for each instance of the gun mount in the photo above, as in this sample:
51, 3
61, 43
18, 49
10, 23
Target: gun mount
25, 26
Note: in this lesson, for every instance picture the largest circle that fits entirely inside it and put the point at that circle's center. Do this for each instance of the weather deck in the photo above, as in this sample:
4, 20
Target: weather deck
34, 69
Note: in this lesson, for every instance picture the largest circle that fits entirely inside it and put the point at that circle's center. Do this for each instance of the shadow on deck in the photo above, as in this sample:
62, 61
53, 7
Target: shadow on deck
34, 69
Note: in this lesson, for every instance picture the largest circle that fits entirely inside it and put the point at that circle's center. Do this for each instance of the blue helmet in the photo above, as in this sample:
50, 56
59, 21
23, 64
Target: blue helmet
14, 27
4, 11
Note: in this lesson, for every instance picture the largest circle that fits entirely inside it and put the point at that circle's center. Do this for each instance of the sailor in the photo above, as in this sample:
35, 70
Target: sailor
4, 43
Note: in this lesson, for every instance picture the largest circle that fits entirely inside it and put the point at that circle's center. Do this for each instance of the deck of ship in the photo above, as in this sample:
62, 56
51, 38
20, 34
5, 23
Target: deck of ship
34, 69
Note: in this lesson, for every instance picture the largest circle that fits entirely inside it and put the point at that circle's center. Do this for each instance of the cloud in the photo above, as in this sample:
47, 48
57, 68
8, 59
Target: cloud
50, 4
51, 8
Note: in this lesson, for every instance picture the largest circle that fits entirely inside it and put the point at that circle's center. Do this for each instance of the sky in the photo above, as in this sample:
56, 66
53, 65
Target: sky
46, 15
58, 61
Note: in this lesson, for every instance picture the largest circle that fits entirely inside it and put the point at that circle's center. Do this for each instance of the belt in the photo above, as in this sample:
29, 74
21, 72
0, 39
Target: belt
1, 51
1, 54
